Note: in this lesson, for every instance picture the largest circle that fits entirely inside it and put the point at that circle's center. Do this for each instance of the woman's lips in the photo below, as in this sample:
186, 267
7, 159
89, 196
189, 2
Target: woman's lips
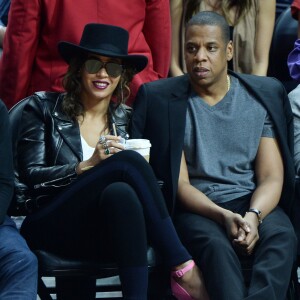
100, 85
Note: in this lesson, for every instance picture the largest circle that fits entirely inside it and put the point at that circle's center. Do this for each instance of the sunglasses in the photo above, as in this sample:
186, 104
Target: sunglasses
93, 66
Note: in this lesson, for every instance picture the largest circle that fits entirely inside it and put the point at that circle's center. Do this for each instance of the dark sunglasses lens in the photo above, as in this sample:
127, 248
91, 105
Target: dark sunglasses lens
93, 66
113, 69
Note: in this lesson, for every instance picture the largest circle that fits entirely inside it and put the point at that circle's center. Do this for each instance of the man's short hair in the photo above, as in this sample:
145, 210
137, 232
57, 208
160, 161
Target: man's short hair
213, 19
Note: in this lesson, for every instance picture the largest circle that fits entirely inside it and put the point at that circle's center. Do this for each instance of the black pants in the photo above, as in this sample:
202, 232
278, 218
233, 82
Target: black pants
108, 214
273, 258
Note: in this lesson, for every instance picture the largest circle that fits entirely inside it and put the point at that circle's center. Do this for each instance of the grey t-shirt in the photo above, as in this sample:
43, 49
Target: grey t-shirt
221, 143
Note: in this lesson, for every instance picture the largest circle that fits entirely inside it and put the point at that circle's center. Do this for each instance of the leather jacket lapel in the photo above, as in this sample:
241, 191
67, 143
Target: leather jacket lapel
68, 129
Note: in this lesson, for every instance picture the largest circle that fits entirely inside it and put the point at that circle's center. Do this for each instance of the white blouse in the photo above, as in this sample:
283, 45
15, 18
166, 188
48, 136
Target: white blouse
87, 150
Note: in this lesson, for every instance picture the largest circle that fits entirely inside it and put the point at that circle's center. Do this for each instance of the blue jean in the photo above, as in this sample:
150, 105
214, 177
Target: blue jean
18, 265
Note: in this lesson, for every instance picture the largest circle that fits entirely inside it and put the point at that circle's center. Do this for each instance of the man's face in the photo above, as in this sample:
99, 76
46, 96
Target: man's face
206, 55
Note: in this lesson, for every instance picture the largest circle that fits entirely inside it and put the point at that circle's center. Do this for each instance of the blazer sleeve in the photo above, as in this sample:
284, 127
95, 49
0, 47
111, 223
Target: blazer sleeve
19, 50
157, 31
6, 165
36, 152
138, 119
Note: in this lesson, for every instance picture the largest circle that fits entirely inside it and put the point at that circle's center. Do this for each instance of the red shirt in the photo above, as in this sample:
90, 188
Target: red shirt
295, 7
31, 62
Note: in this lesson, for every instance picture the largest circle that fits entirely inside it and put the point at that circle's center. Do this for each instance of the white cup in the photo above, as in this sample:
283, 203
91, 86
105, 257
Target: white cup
141, 146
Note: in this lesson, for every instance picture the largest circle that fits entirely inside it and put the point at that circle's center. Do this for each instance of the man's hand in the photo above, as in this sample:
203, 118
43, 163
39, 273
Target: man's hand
245, 241
236, 226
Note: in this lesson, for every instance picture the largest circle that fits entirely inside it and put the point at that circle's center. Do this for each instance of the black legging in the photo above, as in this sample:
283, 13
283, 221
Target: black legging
106, 214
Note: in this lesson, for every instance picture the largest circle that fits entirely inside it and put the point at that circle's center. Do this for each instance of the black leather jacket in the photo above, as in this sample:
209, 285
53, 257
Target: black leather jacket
49, 146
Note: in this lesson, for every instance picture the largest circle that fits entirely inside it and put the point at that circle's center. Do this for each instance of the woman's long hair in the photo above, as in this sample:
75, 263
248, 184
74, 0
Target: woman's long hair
242, 6
72, 84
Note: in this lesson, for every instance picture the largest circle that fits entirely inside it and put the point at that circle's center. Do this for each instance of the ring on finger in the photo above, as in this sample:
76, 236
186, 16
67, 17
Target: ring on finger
102, 139
104, 145
106, 151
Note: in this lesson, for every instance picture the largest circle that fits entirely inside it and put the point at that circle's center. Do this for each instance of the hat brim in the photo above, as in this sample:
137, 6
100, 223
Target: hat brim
68, 51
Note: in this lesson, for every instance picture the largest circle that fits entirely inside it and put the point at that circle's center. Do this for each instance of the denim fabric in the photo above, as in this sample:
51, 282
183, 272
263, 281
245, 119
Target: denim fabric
4, 8
18, 265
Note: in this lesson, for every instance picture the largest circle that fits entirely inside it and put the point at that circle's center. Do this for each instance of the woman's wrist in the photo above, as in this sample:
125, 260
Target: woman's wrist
82, 167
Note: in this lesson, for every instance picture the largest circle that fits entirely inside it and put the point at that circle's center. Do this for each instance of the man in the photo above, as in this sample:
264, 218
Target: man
18, 265
222, 144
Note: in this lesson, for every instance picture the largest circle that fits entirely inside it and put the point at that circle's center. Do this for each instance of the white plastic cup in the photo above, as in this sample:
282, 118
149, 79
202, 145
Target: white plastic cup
141, 146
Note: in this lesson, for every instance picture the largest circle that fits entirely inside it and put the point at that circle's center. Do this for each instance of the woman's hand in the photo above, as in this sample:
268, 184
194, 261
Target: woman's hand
106, 147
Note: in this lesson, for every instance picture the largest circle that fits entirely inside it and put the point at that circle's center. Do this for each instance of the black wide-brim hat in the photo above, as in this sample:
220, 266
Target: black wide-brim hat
106, 40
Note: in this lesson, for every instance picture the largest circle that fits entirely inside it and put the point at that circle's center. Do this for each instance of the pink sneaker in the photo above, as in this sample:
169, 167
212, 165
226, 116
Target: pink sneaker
177, 290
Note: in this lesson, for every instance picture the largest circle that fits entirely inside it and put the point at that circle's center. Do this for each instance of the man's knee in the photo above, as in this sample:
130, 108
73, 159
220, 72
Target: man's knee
203, 236
26, 260
19, 260
277, 228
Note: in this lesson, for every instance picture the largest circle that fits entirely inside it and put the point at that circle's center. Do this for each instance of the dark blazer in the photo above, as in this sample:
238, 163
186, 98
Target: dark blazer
49, 145
160, 114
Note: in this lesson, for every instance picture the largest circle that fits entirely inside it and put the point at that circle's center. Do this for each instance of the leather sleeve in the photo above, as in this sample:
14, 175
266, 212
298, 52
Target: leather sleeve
38, 148
6, 165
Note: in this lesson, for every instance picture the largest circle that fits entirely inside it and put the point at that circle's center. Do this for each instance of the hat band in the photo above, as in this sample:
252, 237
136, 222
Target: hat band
105, 47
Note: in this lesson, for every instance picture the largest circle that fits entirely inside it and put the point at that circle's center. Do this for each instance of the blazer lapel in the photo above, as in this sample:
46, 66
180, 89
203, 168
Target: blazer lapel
177, 112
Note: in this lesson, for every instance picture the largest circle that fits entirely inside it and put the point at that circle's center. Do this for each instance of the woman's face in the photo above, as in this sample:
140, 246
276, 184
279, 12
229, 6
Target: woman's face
100, 77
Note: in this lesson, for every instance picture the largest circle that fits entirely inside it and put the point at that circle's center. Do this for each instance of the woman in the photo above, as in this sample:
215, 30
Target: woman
31, 62
251, 21
95, 198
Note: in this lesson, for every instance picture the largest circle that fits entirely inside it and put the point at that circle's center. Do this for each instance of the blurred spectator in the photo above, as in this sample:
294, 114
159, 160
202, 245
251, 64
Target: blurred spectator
293, 60
18, 265
31, 62
294, 97
252, 24
295, 9
4, 8
294, 68
281, 6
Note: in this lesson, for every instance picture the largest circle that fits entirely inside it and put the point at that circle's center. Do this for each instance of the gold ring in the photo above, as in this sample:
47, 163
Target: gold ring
106, 151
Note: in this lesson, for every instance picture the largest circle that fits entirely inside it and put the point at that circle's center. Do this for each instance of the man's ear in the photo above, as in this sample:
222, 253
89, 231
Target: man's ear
229, 50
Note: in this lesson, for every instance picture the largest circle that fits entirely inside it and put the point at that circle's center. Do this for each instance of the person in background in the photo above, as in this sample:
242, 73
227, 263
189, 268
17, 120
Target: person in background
4, 8
84, 185
293, 60
31, 62
295, 12
18, 265
251, 24
225, 153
